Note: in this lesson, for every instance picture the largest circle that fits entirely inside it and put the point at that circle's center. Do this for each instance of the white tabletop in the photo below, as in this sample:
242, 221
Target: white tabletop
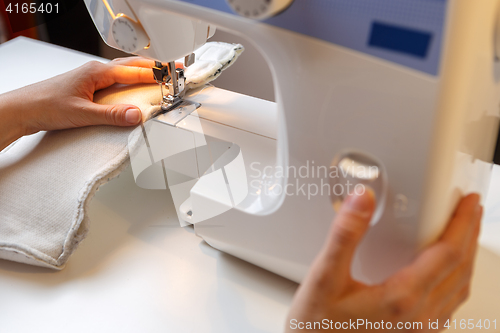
138, 271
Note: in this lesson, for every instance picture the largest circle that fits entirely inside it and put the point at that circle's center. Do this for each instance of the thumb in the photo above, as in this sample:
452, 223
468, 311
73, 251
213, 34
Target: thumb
348, 229
117, 115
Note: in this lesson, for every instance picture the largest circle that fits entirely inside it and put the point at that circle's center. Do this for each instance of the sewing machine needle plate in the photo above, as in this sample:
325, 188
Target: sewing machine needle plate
173, 117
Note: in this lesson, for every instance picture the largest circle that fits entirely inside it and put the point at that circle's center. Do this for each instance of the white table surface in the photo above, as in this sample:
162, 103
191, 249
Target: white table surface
138, 271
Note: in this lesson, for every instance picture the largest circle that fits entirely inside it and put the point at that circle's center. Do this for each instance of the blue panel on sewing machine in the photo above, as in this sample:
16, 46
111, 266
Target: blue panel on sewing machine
409, 41
352, 24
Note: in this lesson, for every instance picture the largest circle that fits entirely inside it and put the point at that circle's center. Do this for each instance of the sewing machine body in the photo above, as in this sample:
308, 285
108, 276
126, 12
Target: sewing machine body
425, 117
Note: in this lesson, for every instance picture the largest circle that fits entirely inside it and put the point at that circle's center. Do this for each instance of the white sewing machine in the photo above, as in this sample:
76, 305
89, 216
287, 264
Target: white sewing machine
405, 92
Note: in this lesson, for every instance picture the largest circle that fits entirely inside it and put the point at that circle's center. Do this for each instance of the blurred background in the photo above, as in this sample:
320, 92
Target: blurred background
73, 28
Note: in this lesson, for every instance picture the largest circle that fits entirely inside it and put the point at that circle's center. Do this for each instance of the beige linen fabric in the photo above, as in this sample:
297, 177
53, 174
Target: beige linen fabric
48, 179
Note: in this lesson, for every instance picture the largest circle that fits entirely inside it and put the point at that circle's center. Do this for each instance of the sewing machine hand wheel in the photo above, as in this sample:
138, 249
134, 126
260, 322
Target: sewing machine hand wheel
259, 9
128, 34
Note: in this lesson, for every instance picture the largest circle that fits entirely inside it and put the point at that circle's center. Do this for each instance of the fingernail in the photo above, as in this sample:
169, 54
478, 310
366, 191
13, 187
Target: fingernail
133, 116
361, 202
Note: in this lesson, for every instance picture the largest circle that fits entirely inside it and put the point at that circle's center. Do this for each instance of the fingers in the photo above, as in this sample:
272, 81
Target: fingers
139, 61
461, 276
124, 75
133, 61
446, 293
455, 302
116, 115
131, 75
347, 231
439, 260
129, 70
460, 229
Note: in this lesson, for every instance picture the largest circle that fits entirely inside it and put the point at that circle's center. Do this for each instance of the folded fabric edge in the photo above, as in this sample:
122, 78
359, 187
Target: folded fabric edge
26, 256
80, 228
78, 231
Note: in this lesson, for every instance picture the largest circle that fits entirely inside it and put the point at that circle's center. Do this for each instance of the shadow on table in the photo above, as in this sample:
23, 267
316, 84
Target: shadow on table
263, 296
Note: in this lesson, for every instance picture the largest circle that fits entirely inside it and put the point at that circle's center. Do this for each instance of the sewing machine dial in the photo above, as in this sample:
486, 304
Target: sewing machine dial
259, 9
128, 34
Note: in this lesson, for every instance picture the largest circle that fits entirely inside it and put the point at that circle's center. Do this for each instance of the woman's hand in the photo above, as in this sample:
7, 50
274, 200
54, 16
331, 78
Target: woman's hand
66, 101
430, 288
